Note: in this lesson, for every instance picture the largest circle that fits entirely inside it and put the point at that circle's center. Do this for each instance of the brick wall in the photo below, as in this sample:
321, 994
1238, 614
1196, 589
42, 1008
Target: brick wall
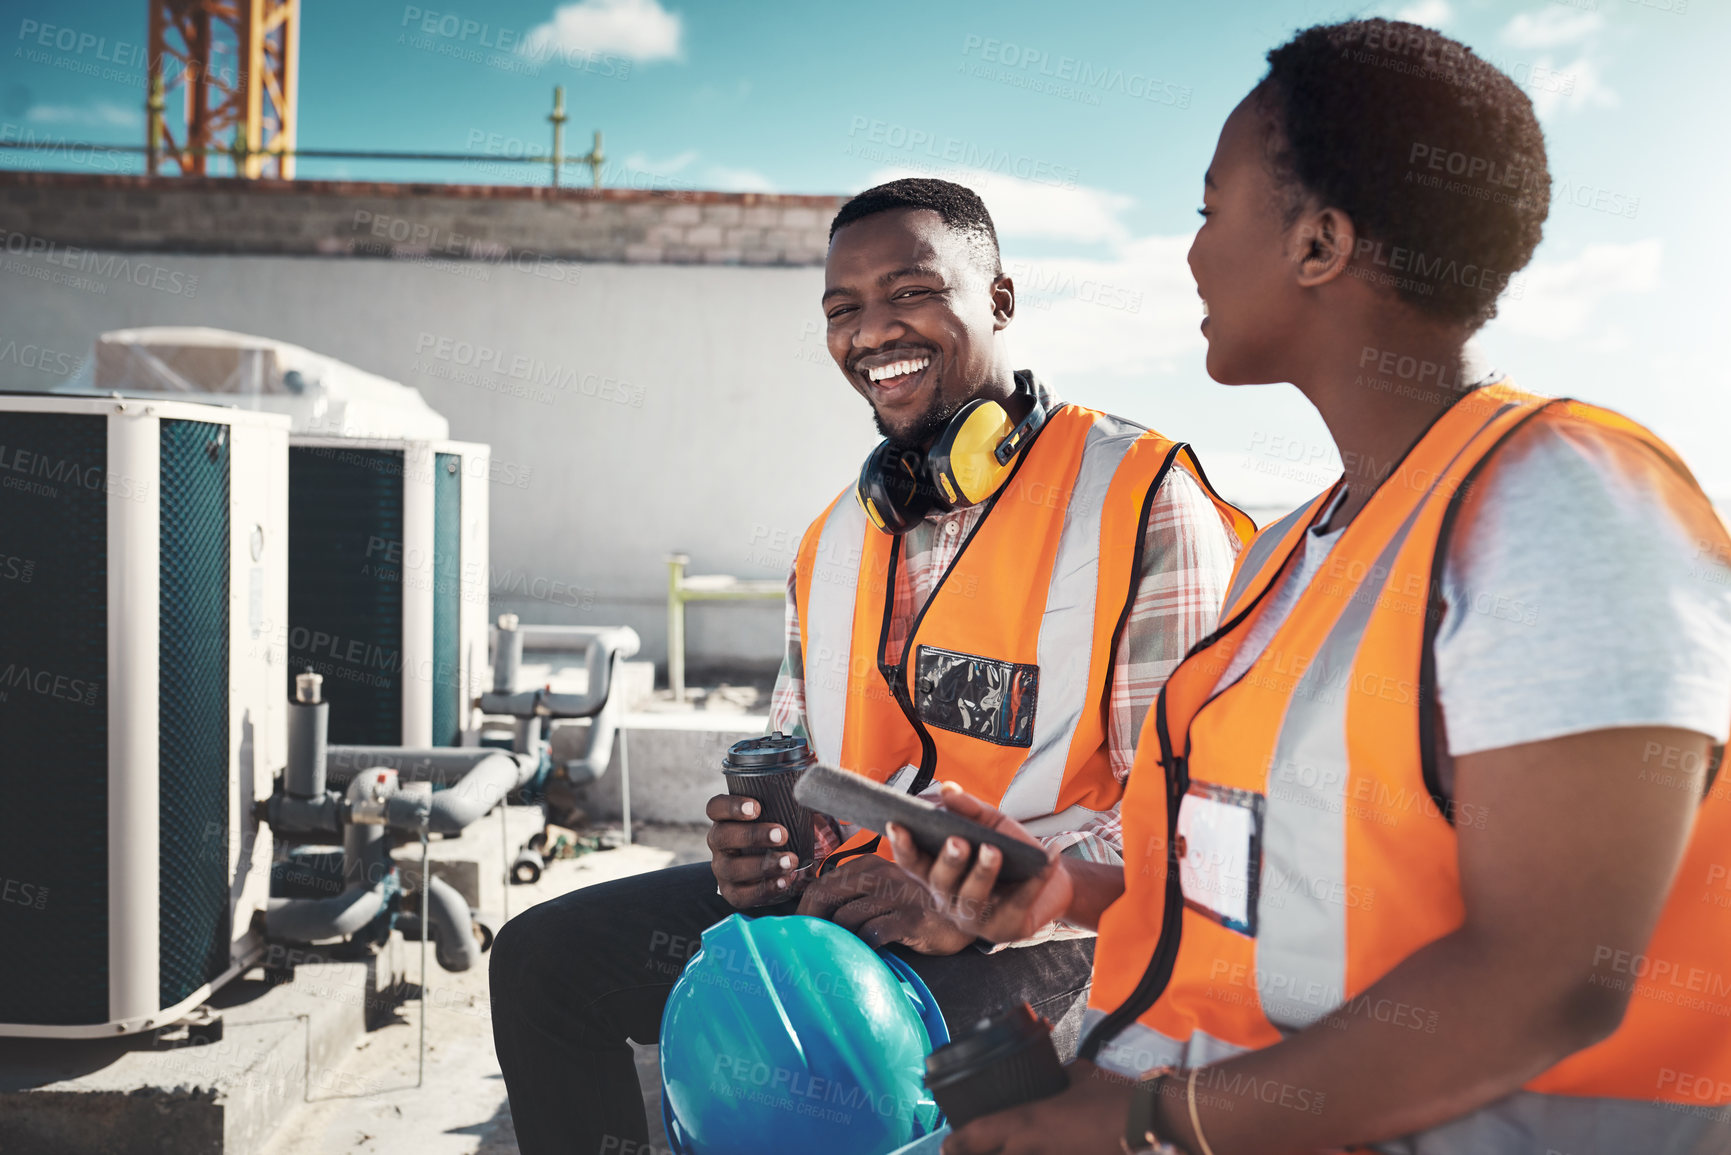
333, 218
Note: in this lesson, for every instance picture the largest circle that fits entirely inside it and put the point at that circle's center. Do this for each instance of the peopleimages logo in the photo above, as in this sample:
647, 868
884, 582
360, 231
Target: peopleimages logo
898, 141
1067, 76
27, 471
47, 684
532, 371
107, 266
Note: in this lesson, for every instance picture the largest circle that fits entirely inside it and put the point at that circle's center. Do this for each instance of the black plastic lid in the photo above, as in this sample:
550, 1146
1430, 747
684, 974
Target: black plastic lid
771, 751
987, 1041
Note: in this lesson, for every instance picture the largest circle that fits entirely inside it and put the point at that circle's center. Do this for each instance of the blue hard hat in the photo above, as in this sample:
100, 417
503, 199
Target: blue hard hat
789, 1031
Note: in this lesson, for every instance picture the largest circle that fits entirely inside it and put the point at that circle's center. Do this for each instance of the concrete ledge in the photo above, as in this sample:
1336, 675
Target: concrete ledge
675, 763
282, 1046
527, 226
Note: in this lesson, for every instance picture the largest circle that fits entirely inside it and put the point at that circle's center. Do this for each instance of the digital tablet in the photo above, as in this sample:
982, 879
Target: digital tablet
865, 803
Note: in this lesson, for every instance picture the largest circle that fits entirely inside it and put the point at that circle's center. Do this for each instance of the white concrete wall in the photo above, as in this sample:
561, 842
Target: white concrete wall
695, 409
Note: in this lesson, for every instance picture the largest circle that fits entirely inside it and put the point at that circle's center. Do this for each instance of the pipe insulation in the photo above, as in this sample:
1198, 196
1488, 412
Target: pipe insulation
442, 766
476, 793
367, 875
602, 646
308, 723
602, 727
453, 932
315, 919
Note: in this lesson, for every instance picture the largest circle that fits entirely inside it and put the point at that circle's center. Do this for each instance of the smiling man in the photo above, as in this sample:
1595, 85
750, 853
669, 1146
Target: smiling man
1030, 572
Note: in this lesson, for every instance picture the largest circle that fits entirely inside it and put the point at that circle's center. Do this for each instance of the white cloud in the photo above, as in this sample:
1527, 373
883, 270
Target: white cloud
1031, 210
1133, 314
1129, 312
1550, 27
1555, 88
1575, 87
1431, 13
1559, 300
636, 29
725, 179
100, 114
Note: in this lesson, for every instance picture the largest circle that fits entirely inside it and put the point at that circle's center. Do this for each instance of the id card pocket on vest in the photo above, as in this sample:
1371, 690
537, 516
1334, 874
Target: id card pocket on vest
1220, 853
980, 697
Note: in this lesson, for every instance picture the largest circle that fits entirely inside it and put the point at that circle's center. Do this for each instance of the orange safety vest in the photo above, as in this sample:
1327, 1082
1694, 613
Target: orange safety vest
1003, 682
1330, 735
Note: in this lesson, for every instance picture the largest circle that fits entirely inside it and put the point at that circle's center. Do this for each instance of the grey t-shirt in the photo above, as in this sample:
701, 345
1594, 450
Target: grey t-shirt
1577, 598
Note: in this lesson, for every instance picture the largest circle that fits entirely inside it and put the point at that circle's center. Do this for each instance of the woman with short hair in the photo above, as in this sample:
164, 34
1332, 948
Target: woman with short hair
1424, 848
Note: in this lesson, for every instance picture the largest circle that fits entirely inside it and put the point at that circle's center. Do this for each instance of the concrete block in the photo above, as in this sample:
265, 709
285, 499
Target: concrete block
724, 215
675, 763
801, 218
282, 1045
683, 215
704, 236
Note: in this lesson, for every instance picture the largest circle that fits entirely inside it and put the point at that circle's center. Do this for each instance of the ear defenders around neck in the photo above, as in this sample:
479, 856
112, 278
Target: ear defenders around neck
899, 484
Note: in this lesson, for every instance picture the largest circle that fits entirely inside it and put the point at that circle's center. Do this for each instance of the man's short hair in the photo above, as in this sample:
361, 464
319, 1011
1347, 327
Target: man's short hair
960, 208
1432, 151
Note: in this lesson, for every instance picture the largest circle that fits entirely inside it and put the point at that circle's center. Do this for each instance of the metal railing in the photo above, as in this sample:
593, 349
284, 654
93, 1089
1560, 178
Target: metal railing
240, 152
704, 588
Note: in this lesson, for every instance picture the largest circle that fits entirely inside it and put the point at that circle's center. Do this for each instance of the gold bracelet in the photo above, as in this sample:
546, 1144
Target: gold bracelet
1196, 1119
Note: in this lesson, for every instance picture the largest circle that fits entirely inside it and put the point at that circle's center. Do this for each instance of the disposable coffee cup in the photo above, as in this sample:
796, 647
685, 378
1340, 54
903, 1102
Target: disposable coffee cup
765, 769
1003, 1061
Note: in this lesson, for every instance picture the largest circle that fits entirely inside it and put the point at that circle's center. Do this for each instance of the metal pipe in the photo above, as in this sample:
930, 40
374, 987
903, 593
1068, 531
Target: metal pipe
292, 816
622, 638
314, 919
599, 643
508, 654
558, 118
453, 933
602, 726
599, 664
676, 564
440, 765
309, 722
481, 789
367, 864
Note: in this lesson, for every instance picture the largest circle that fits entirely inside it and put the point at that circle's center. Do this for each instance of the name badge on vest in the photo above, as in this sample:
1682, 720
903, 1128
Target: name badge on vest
1220, 853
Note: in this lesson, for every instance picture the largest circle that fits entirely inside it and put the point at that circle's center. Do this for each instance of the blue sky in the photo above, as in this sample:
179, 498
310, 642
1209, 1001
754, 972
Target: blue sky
1094, 187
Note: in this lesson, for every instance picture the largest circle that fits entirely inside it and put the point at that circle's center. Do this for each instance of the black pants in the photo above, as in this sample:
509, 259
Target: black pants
575, 977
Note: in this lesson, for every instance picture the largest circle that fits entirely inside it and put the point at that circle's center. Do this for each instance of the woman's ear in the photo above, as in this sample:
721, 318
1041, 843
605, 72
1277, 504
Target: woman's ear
1322, 244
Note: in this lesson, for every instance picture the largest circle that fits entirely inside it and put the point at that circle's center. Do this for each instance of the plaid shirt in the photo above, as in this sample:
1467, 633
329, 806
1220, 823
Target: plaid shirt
1187, 560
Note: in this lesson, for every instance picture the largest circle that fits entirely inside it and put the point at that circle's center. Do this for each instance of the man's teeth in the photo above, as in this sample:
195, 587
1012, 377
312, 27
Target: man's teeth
898, 369
1204, 308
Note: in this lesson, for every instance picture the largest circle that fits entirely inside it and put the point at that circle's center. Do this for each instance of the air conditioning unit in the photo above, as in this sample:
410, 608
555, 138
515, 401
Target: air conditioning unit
143, 570
388, 585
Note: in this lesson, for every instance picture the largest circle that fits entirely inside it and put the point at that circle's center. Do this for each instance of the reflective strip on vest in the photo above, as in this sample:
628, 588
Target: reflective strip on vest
829, 618
1317, 735
1139, 1048
1257, 553
1067, 630
1301, 940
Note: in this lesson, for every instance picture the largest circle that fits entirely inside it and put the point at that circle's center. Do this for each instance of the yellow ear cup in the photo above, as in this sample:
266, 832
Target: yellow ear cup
971, 471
